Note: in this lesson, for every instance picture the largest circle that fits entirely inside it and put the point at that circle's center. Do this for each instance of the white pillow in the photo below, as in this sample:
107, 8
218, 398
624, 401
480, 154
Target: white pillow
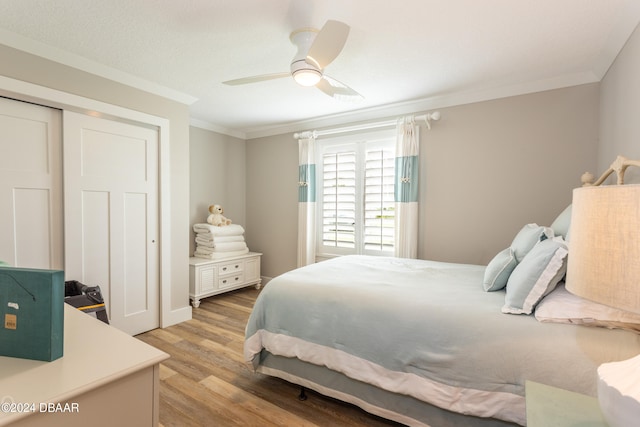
561, 306
499, 270
535, 276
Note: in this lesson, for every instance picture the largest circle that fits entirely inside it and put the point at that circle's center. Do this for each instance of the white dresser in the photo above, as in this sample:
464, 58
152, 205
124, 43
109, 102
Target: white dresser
104, 378
211, 277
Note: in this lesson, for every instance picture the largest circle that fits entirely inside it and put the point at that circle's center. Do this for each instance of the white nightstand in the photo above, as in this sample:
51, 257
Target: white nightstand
211, 277
554, 407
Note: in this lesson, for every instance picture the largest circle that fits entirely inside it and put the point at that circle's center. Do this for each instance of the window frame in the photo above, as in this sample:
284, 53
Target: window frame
361, 143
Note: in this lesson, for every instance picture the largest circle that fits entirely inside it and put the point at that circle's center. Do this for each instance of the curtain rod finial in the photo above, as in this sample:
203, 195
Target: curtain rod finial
305, 135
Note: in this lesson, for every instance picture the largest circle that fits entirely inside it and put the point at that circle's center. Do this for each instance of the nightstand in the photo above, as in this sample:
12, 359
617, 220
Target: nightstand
553, 407
211, 277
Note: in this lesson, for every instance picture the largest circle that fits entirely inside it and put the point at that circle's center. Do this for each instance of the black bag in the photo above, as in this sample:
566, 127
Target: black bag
85, 298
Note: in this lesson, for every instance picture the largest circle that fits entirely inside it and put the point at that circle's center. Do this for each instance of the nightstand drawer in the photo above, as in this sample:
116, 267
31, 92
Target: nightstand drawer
230, 268
225, 282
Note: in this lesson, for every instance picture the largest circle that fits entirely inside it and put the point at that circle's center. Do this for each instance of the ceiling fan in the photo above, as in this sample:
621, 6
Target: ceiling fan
316, 50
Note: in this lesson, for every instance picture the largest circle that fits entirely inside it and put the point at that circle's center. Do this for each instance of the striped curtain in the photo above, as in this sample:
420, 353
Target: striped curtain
406, 188
306, 202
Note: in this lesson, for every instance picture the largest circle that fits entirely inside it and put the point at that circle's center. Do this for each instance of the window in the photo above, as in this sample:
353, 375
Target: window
356, 195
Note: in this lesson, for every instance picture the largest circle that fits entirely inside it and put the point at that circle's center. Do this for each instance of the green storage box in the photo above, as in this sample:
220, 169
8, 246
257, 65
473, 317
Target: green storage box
32, 313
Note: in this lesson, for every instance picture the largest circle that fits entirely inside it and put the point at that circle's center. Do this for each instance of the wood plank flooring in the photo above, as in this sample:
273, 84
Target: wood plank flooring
207, 383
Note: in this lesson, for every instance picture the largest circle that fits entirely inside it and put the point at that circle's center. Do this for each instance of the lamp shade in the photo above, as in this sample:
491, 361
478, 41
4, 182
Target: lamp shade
604, 245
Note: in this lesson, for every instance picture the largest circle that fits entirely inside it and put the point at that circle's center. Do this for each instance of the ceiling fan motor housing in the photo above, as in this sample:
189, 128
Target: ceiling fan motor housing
304, 73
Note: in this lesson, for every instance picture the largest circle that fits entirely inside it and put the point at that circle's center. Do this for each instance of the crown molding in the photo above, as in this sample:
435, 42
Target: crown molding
424, 104
203, 124
54, 54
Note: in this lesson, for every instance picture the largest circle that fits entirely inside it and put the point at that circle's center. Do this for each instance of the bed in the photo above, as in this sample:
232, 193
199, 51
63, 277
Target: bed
433, 343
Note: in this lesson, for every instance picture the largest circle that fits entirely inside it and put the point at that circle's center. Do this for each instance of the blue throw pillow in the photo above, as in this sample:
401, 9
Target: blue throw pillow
560, 225
499, 270
527, 238
535, 276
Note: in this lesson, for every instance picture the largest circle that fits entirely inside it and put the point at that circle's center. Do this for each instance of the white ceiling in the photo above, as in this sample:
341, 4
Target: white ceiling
402, 56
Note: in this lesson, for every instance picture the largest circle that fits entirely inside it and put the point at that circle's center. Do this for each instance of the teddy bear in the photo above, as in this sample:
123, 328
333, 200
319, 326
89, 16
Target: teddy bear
216, 218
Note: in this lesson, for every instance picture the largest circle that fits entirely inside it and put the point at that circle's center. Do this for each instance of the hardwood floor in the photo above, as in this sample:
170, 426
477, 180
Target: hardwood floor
207, 383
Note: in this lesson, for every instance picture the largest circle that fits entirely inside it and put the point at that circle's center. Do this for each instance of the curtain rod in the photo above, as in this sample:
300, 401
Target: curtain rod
366, 126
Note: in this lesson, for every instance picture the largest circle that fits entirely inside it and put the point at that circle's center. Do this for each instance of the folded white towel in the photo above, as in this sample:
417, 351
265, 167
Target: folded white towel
222, 247
225, 230
205, 236
205, 243
220, 255
221, 240
228, 239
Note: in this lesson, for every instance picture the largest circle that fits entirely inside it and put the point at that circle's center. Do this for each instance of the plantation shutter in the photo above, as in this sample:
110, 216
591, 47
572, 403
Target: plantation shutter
339, 199
357, 205
379, 201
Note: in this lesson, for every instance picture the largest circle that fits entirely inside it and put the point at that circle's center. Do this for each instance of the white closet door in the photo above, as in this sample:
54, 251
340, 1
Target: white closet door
30, 186
111, 216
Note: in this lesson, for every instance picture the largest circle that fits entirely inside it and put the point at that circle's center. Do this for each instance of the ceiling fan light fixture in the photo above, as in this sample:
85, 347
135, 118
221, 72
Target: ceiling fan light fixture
307, 77
316, 50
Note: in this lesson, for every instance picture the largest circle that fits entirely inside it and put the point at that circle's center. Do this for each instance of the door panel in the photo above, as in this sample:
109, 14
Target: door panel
135, 240
30, 185
111, 215
94, 250
32, 223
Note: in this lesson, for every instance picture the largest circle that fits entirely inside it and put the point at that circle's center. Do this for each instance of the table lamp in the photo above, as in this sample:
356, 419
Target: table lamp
604, 266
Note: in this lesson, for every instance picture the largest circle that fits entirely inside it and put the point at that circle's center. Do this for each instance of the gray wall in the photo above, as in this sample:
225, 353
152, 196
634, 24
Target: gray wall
619, 109
492, 167
488, 168
272, 202
217, 176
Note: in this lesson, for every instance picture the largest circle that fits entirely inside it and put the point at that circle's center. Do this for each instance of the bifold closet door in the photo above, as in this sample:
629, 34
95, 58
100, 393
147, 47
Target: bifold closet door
30, 185
111, 215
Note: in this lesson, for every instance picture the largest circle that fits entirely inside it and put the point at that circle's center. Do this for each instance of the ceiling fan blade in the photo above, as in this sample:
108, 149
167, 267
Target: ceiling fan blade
328, 43
256, 79
335, 89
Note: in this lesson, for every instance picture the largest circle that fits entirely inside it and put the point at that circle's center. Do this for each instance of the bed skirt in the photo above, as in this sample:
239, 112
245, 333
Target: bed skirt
400, 408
